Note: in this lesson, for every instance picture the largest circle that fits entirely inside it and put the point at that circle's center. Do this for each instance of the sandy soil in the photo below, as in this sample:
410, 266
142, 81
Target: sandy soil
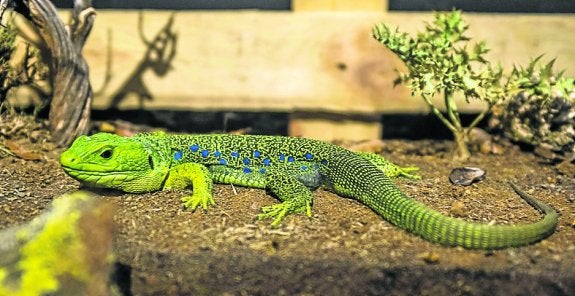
344, 248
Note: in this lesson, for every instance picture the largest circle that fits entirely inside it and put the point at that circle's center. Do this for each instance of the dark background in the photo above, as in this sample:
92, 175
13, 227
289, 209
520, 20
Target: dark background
523, 6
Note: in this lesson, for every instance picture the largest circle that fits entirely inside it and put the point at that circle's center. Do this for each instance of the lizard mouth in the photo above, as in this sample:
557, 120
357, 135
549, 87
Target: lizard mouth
100, 179
78, 171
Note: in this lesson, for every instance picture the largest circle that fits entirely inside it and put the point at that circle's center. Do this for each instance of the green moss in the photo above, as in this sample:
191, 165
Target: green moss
3, 290
52, 253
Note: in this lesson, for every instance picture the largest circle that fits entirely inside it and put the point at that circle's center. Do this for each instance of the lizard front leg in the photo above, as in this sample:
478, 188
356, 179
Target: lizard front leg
198, 176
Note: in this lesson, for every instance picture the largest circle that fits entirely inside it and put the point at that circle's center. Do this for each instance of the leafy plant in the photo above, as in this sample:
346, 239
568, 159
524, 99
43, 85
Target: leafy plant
440, 61
541, 108
541, 82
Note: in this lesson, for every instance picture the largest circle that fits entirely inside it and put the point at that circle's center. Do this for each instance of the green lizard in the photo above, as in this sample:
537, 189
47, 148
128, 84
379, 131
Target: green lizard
288, 167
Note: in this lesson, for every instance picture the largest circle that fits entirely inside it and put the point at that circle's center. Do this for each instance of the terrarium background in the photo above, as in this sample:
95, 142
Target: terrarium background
312, 62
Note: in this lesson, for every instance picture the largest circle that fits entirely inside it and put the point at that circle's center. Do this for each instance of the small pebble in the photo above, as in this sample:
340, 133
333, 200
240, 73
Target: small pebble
430, 257
545, 152
458, 209
465, 176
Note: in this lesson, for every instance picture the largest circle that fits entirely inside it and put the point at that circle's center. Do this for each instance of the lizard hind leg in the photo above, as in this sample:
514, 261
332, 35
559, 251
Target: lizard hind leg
390, 169
291, 185
295, 196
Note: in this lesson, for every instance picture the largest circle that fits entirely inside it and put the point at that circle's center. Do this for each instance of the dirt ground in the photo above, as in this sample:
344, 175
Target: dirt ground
343, 249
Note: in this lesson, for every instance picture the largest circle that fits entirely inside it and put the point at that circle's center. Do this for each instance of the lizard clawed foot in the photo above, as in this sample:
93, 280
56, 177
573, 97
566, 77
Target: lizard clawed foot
203, 199
279, 211
407, 172
388, 168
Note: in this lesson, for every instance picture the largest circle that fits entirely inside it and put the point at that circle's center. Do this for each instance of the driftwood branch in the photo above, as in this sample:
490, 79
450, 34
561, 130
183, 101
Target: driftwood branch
72, 93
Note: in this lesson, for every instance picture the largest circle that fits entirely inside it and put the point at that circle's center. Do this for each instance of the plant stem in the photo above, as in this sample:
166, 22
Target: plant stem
2, 149
459, 133
478, 119
451, 109
439, 115
461, 139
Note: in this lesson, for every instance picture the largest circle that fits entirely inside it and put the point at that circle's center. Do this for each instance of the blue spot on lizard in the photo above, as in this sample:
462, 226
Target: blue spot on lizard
178, 155
205, 153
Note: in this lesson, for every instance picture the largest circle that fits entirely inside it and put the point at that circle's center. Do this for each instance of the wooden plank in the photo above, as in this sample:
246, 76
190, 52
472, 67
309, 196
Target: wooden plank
282, 61
334, 130
339, 5
330, 127
364, 5
311, 5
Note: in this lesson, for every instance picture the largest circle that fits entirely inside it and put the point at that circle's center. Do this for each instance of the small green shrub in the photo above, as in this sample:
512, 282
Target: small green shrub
541, 108
441, 61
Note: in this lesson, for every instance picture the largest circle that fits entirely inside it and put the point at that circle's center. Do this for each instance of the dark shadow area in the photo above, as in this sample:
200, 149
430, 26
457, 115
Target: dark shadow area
510, 6
295, 276
265, 123
158, 58
395, 126
185, 4
420, 126
121, 277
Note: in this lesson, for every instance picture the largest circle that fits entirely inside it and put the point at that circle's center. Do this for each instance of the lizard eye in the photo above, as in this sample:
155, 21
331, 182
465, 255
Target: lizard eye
106, 154
151, 162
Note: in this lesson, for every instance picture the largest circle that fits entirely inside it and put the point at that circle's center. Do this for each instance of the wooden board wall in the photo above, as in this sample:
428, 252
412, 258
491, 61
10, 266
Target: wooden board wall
319, 58
285, 61
339, 5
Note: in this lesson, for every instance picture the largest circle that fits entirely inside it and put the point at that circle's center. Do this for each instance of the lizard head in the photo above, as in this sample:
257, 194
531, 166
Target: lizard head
110, 161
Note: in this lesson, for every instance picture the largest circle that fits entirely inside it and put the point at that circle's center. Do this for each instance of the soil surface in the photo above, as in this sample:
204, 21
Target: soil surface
344, 248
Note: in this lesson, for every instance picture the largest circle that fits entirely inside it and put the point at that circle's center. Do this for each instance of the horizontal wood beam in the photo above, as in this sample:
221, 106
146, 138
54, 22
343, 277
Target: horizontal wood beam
286, 61
339, 5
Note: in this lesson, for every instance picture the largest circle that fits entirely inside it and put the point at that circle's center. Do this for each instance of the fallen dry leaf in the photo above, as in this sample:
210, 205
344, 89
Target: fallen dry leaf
373, 146
20, 151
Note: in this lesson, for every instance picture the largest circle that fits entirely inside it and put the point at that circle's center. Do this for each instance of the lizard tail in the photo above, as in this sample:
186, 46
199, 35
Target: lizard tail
365, 183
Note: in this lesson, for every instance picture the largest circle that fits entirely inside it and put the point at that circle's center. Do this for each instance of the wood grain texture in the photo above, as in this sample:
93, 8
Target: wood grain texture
284, 61
62, 48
